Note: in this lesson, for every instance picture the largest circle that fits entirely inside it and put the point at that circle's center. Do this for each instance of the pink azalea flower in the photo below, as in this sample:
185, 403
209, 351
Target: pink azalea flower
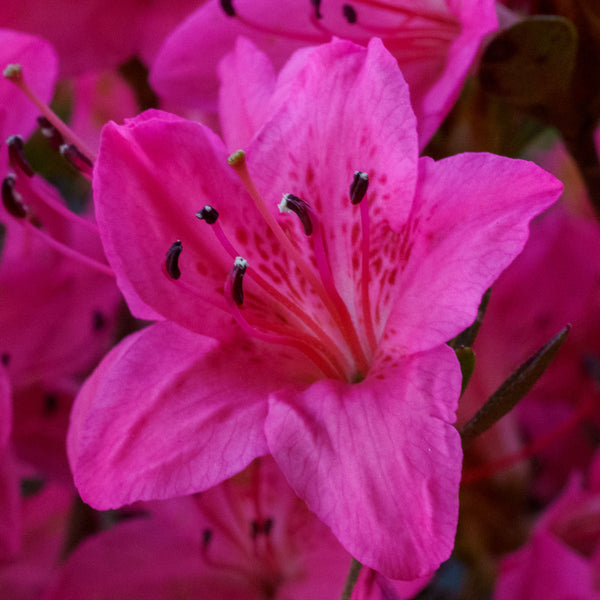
330, 353
25, 574
561, 561
433, 42
249, 538
553, 282
95, 34
58, 298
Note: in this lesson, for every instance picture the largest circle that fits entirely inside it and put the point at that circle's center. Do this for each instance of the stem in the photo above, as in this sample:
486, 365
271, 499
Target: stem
351, 580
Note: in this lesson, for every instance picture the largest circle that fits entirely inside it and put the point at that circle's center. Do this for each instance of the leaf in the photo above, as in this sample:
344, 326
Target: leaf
514, 389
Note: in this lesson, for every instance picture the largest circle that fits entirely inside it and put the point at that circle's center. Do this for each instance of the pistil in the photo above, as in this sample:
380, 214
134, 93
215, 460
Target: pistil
322, 287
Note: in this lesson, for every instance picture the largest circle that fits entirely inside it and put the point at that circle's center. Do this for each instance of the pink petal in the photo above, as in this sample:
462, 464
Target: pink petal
152, 176
345, 109
545, 569
143, 560
39, 62
378, 461
247, 83
169, 413
469, 221
177, 74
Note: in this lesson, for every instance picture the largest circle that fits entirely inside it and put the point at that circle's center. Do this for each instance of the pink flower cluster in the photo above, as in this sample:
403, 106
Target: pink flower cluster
230, 360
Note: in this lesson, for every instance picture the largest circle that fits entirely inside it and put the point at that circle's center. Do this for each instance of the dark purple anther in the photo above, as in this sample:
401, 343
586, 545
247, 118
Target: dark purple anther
80, 161
349, 13
358, 187
208, 214
206, 537
239, 269
17, 156
227, 6
53, 135
317, 5
172, 262
11, 199
291, 203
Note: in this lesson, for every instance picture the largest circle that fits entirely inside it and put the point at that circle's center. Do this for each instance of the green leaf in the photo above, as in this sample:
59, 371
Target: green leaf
508, 395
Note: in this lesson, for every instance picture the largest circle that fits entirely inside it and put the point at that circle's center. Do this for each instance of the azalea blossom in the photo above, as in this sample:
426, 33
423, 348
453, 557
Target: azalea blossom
527, 308
434, 43
318, 337
96, 34
562, 557
250, 537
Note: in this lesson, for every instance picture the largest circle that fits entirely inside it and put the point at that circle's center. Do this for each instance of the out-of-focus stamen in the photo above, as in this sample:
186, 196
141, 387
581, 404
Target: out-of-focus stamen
81, 162
16, 155
14, 73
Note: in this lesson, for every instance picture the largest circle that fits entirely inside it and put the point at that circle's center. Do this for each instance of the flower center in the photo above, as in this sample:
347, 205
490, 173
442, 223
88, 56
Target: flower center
330, 336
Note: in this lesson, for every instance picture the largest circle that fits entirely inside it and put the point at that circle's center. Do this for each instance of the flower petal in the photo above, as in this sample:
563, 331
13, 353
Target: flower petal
169, 413
469, 221
247, 83
152, 176
378, 461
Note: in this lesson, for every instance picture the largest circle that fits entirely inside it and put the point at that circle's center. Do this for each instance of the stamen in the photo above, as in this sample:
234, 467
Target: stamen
206, 537
53, 135
14, 73
11, 199
291, 203
227, 6
331, 300
349, 13
300, 343
172, 260
410, 12
330, 350
67, 250
317, 5
237, 276
358, 190
358, 187
16, 155
208, 214
81, 162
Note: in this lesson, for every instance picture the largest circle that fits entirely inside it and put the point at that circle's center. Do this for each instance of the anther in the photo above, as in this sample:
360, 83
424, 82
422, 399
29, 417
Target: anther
227, 6
349, 13
291, 203
12, 200
50, 404
237, 158
358, 187
208, 214
172, 262
206, 537
17, 156
98, 320
51, 133
77, 158
317, 5
13, 73
237, 274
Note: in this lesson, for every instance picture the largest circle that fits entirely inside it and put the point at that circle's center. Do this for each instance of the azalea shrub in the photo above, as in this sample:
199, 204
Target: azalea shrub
291, 303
